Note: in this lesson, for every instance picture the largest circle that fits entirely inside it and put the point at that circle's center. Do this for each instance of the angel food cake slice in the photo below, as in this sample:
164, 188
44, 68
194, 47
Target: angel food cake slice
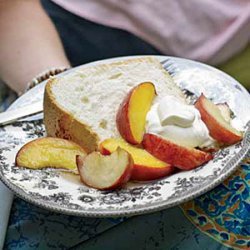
82, 105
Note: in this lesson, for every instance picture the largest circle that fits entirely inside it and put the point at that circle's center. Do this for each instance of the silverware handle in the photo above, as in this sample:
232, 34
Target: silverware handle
11, 116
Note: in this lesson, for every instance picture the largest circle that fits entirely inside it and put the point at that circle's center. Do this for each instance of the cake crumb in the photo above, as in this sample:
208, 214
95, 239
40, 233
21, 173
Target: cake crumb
115, 76
85, 99
103, 124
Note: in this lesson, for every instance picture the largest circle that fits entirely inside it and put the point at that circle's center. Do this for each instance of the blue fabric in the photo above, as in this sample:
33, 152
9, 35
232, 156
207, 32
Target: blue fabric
31, 227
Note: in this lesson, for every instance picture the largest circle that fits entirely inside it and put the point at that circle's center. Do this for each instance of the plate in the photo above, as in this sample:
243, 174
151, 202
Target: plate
63, 192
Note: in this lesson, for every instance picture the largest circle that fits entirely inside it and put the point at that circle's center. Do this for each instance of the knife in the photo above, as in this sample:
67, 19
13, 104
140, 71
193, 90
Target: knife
11, 116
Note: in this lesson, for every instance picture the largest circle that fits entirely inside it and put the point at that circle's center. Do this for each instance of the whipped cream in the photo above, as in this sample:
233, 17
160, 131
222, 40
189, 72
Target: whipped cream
178, 122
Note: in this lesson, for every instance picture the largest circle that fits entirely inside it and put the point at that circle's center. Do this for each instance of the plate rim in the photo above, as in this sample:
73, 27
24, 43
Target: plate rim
153, 207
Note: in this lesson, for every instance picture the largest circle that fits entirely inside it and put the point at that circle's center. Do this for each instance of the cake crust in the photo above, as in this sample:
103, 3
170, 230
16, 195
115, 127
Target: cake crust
59, 123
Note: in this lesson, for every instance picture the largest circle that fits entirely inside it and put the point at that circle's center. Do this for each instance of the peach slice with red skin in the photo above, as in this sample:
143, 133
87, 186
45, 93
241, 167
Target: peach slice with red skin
131, 115
105, 172
49, 152
146, 166
219, 128
225, 111
181, 157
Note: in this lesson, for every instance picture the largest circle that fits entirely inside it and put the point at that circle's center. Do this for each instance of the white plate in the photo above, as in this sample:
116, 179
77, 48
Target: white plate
65, 193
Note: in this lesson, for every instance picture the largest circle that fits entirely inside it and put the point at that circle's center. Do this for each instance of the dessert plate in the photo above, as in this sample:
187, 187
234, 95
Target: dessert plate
63, 192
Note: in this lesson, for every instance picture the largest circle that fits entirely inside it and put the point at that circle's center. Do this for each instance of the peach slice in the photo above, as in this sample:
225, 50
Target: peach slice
146, 166
218, 127
225, 111
131, 115
49, 152
181, 157
105, 172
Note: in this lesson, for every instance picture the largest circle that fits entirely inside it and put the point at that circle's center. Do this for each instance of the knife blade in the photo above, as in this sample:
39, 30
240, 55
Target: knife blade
11, 116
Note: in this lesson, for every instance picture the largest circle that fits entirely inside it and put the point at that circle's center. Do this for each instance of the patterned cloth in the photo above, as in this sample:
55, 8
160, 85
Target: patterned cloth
224, 213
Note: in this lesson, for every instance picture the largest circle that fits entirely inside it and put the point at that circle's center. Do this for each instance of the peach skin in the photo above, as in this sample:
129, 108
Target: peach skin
105, 172
131, 115
146, 166
181, 157
219, 128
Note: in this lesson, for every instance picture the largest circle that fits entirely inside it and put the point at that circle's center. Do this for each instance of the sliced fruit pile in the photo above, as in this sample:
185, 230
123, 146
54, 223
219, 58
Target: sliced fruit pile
131, 125
137, 155
131, 118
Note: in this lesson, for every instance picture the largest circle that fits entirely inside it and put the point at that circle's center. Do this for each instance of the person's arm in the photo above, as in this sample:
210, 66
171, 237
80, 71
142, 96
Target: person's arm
29, 43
